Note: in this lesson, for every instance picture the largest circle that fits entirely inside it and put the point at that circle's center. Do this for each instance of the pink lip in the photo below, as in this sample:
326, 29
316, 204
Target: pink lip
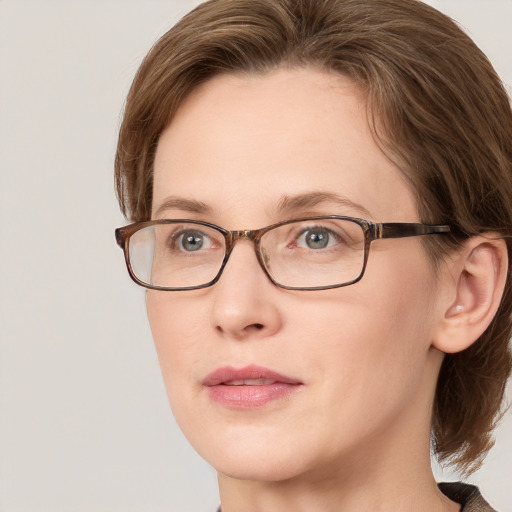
249, 395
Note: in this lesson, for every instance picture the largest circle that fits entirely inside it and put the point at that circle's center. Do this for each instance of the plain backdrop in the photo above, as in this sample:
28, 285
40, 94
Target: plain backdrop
84, 420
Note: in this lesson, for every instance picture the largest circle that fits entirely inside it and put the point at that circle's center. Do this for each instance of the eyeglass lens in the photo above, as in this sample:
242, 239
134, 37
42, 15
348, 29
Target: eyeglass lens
301, 254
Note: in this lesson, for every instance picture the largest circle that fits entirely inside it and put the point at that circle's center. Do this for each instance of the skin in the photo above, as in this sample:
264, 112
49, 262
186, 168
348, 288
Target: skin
355, 436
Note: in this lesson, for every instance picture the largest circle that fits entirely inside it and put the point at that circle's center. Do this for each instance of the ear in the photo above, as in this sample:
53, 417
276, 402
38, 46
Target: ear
474, 289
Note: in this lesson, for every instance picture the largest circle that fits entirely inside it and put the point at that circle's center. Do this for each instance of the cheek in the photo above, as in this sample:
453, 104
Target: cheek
381, 349
176, 331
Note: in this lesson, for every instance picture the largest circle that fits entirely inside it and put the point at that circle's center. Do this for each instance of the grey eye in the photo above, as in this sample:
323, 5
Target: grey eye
192, 241
317, 238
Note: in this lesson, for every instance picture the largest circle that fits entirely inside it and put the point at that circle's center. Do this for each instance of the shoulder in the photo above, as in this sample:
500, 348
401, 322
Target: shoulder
467, 495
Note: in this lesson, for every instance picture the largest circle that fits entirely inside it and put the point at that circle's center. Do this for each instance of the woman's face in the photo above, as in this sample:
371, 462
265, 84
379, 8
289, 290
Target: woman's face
356, 371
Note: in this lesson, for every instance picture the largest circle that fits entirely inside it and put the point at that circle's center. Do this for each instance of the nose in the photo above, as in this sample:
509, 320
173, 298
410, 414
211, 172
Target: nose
245, 301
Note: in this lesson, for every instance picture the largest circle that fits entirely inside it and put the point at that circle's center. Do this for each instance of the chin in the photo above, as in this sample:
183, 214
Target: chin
256, 454
258, 469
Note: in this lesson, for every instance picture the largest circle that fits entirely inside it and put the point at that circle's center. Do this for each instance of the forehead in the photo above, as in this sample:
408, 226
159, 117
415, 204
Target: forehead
240, 144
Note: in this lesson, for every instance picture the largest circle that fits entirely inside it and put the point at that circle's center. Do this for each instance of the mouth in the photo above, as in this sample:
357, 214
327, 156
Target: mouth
248, 387
249, 382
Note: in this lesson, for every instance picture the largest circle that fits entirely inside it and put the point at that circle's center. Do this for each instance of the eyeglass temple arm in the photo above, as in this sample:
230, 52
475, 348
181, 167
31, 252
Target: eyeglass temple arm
403, 230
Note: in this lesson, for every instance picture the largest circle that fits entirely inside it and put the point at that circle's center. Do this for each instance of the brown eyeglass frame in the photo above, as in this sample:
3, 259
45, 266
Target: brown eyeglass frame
372, 231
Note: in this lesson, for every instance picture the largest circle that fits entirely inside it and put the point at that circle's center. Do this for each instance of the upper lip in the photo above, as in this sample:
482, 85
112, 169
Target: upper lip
251, 372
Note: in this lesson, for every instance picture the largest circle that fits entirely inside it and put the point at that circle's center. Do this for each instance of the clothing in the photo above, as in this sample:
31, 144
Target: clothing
467, 495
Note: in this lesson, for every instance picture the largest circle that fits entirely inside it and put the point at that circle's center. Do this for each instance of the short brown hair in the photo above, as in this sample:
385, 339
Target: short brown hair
436, 106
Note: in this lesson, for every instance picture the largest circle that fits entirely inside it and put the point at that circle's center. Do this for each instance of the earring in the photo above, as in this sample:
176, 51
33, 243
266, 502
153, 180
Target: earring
459, 308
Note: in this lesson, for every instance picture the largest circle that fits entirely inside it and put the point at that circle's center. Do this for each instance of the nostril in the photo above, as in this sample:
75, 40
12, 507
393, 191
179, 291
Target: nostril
247, 329
253, 327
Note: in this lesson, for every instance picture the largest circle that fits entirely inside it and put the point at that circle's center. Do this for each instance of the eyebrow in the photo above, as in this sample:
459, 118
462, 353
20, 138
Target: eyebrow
287, 205
180, 203
301, 202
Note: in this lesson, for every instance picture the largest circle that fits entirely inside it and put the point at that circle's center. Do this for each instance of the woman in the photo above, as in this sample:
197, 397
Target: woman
265, 147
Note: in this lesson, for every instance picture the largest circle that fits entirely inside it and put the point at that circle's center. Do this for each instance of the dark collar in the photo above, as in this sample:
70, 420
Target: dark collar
467, 495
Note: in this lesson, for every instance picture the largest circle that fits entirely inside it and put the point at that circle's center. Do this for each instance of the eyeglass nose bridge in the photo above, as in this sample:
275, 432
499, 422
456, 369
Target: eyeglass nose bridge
241, 235
254, 236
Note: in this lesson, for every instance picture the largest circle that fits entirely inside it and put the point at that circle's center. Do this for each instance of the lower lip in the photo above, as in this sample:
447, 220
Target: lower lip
249, 397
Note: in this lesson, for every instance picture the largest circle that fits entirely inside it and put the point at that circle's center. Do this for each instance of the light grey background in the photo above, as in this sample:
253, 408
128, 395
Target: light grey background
84, 420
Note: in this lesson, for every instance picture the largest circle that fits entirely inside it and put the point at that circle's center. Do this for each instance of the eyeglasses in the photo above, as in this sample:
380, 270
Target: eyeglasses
312, 253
